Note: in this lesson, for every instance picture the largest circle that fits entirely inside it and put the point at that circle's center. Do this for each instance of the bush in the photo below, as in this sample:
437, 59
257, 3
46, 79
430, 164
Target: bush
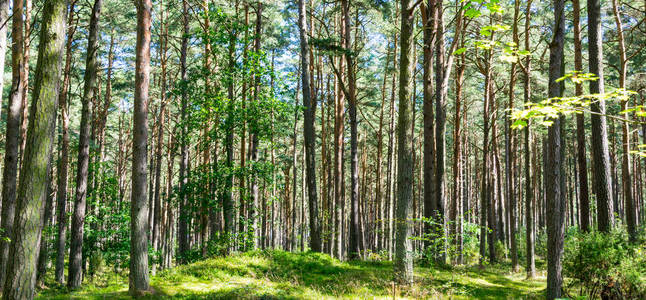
606, 265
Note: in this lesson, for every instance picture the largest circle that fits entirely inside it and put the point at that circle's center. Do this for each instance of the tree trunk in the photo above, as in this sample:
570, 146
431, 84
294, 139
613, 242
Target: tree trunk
582, 169
429, 20
510, 157
12, 142
529, 188
138, 279
91, 69
600, 158
403, 266
36, 166
309, 131
64, 141
555, 178
183, 162
626, 165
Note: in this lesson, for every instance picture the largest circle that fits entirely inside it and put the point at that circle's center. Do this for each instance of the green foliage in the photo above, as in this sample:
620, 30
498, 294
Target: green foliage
606, 264
308, 275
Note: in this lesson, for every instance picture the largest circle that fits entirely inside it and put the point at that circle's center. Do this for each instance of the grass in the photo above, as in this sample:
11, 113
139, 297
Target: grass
284, 275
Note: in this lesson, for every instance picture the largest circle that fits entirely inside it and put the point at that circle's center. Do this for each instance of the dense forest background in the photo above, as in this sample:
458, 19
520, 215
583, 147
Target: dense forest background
145, 135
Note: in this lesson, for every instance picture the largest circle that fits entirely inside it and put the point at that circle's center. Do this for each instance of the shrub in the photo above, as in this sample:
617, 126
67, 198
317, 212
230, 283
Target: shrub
606, 265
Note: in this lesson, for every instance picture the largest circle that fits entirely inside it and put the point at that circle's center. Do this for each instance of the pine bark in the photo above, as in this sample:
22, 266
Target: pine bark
602, 187
403, 265
78, 219
309, 131
555, 158
138, 279
36, 166
182, 234
64, 141
12, 142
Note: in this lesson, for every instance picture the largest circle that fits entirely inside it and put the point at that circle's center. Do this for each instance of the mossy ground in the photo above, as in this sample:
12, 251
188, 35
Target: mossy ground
284, 275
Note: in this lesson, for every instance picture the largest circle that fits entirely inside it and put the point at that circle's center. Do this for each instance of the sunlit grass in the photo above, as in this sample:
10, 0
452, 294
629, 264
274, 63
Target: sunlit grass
284, 275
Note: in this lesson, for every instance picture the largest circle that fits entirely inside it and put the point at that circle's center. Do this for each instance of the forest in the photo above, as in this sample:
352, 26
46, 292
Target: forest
323, 149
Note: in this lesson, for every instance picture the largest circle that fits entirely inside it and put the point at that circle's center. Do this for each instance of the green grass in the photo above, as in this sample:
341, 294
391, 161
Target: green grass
284, 275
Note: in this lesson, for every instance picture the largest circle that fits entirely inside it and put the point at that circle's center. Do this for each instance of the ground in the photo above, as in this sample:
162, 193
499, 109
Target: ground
284, 275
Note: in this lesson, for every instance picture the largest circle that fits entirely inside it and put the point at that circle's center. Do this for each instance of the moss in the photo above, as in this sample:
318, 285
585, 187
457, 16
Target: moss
284, 275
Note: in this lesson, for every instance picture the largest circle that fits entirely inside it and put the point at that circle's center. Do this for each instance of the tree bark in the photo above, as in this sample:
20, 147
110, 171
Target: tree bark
309, 131
403, 266
182, 234
138, 279
64, 141
600, 157
91, 69
554, 175
626, 165
12, 142
529, 182
36, 166
582, 168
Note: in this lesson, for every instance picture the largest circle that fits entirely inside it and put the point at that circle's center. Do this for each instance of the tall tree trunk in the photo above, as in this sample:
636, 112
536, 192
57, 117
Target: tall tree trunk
529, 188
582, 169
626, 165
36, 166
253, 149
600, 158
403, 266
339, 120
309, 131
354, 250
64, 141
429, 20
510, 158
91, 69
12, 142
182, 234
156, 237
391, 153
554, 175
138, 279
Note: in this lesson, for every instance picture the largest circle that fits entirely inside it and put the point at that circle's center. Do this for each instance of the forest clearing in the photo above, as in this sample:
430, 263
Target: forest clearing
322, 149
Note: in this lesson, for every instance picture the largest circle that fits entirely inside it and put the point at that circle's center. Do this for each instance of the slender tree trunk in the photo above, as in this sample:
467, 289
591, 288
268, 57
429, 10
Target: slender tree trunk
138, 279
403, 266
156, 237
626, 165
529, 188
183, 162
309, 131
600, 157
582, 169
61, 194
253, 149
36, 166
91, 69
554, 175
429, 20
510, 158
12, 142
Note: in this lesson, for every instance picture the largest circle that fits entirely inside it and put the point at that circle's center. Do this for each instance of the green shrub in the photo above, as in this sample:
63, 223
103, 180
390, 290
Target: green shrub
606, 265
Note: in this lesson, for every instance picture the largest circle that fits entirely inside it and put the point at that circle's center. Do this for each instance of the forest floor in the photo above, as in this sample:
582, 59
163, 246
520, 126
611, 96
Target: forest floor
284, 275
